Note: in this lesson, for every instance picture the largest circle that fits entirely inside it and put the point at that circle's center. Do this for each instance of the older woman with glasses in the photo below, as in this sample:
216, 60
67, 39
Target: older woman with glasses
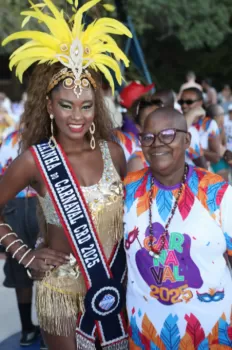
178, 240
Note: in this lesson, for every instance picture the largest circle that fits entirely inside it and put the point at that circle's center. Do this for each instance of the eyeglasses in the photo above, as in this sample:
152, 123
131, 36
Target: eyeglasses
165, 136
187, 102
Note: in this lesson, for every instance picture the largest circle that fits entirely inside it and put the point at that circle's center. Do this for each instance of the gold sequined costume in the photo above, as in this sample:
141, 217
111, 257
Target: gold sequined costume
60, 295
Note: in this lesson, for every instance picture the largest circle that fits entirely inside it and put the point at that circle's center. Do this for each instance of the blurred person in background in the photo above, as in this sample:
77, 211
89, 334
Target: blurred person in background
191, 102
128, 97
225, 97
190, 82
18, 107
228, 128
211, 93
216, 112
127, 137
20, 214
7, 123
164, 97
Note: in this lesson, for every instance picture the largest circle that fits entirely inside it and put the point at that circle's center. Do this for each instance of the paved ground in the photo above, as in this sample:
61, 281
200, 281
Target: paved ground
9, 317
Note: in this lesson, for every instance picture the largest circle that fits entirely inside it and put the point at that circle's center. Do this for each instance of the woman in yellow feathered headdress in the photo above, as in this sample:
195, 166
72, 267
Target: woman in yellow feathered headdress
65, 113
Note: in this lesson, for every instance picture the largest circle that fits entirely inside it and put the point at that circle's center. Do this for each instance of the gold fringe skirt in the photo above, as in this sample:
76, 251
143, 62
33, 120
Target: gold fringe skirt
60, 295
59, 299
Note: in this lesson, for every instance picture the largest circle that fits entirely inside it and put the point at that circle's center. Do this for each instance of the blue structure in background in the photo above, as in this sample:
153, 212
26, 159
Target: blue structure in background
132, 47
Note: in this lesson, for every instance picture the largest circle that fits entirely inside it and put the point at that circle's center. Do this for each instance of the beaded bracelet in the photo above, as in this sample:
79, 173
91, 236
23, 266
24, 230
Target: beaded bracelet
24, 255
18, 249
4, 224
7, 235
17, 240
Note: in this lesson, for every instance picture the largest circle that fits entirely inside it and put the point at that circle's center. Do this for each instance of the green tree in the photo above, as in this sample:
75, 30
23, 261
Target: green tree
194, 23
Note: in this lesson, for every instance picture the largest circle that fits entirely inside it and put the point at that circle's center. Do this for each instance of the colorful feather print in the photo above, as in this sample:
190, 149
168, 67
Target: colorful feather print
223, 333
193, 183
186, 343
164, 203
131, 189
169, 339
143, 204
144, 186
195, 330
136, 335
186, 202
135, 176
170, 333
212, 192
220, 193
213, 336
150, 333
204, 345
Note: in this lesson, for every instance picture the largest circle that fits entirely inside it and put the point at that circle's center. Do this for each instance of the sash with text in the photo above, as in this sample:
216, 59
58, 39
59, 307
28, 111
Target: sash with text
105, 294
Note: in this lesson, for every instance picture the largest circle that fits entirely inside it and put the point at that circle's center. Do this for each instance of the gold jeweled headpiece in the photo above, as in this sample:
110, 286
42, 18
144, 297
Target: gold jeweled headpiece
77, 49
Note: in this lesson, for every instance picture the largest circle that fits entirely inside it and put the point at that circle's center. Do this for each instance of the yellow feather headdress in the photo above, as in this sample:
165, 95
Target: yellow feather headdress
76, 47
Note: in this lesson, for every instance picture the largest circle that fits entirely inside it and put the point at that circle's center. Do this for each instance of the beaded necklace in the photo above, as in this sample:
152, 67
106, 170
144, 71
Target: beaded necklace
156, 252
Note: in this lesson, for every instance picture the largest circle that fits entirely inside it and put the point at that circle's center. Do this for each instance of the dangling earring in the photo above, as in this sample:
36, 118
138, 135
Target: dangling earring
52, 141
92, 131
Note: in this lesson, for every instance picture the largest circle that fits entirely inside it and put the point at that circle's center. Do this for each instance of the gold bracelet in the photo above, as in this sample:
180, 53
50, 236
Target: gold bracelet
5, 224
6, 235
18, 249
24, 255
17, 240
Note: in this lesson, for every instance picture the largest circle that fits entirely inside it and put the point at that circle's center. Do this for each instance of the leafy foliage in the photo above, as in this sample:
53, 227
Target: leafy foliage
195, 23
175, 35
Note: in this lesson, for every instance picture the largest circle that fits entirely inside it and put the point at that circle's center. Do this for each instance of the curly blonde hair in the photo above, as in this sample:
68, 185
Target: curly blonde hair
35, 121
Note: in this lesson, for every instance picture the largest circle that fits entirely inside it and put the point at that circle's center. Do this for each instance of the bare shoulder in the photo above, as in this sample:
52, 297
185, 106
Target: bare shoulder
25, 160
118, 157
115, 149
135, 164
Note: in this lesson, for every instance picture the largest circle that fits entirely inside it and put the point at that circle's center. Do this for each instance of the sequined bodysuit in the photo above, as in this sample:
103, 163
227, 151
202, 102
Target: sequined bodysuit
104, 197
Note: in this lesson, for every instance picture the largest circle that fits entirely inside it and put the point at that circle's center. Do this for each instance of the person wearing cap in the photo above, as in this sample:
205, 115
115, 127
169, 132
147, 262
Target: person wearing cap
127, 137
128, 96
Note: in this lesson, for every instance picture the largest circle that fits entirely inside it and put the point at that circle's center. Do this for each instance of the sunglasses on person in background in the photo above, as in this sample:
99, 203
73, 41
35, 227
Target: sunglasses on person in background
165, 136
187, 102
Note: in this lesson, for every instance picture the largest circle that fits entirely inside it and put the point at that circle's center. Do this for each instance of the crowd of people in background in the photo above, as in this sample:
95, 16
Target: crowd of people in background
209, 119
208, 114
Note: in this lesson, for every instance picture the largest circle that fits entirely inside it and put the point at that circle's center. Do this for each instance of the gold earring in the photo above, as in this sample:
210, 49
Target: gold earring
52, 141
92, 131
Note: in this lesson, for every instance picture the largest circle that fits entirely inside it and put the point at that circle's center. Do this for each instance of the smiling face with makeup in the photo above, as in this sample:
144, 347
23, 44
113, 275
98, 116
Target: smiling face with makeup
73, 116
